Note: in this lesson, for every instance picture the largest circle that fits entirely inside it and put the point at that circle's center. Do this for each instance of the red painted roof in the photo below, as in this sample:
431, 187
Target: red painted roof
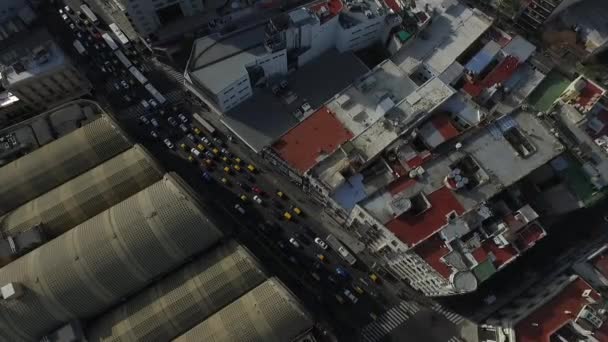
502, 255
600, 262
394, 5
560, 310
528, 237
319, 133
333, 6
419, 159
400, 184
587, 93
432, 250
444, 125
499, 74
415, 229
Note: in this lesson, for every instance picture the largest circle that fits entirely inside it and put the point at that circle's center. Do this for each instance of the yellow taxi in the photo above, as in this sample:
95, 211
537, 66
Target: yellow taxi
374, 278
201, 147
236, 167
227, 169
208, 162
191, 159
243, 198
321, 257
287, 215
196, 131
237, 160
297, 210
184, 147
215, 151
225, 159
251, 168
280, 194
358, 289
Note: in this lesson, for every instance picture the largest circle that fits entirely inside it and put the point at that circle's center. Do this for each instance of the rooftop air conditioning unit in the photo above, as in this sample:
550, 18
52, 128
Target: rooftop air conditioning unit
11, 291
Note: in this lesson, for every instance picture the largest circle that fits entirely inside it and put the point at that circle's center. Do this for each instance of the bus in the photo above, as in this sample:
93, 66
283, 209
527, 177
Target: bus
158, 96
87, 11
109, 41
338, 247
120, 36
206, 125
123, 59
79, 47
138, 75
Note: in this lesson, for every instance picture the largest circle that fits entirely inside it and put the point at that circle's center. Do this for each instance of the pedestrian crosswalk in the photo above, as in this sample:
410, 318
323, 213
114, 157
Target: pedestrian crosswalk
389, 321
449, 315
455, 339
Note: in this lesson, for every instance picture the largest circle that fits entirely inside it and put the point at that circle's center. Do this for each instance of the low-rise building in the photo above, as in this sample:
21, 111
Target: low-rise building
223, 70
42, 76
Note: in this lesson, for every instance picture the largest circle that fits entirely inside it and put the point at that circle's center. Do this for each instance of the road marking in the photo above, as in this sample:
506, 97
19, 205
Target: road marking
449, 315
388, 321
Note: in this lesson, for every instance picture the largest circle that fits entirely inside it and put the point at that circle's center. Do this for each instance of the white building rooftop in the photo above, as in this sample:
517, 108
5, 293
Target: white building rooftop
43, 59
451, 32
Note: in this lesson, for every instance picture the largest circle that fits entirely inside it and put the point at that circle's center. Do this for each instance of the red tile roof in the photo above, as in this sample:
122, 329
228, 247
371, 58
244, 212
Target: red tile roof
600, 262
333, 6
444, 125
528, 237
432, 250
550, 317
400, 184
499, 74
587, 93
415, 229
502, 256
419, 159
318, 134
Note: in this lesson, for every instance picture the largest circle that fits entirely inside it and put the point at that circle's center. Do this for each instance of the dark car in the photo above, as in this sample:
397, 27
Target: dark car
244, 186
302, 239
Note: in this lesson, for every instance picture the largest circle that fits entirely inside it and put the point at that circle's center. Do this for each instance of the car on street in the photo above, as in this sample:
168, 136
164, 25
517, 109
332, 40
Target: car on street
116, 86
342, 272
191, 137
351, 296
124, 84
182, 118
154, 122
172, 121
195, 152
244, 186
168, 143
145, 104
144, 119
257, 199
206, 141
240, 209
153, 134
218, 141
294, 242
183, 128
320, 243
207, 176
153, 103
257, 190
296, 210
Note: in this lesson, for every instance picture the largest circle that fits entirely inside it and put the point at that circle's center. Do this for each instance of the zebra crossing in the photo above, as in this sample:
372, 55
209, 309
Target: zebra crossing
137, 110
455, 339
389, 321
449, 315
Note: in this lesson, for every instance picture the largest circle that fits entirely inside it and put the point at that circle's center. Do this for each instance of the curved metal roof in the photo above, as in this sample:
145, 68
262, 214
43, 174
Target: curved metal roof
183, 299
57, 162
87, 195
94, 265
267, 313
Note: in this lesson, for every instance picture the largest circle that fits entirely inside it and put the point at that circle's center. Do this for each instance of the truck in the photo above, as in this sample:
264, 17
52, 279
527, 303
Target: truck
79, 47
158, 96
123, 59
90, 15
119, 35
109, 41
342, 251
206, 125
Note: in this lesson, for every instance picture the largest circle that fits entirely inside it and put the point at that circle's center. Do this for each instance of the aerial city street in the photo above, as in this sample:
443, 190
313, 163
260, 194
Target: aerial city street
292, 170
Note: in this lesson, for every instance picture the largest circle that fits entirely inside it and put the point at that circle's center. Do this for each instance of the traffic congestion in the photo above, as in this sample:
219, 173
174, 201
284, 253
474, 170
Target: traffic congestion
292, 233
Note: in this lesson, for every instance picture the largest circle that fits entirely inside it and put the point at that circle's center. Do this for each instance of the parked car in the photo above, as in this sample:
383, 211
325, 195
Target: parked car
321, 243
168, 143
239, 209
183, 128
257, 199
294, 242
154, 134
124, 84
172, 121
182, 118
154, 122
144, 119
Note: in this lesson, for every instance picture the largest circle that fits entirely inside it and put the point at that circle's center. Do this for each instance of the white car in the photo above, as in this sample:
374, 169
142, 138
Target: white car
321, 243
351, 296
168, 143
153, 103
64, 17
182, 118
154, 134
144, 120
205, 141
257, 199
239, 209
195, 152
154, 122
294, 242
306, 107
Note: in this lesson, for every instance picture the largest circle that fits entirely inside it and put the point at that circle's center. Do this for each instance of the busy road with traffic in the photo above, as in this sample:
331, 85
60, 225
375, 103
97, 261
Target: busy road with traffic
271, 221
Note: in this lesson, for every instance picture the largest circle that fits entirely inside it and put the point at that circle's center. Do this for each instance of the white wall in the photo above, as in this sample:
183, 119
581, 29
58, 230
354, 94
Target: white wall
237, 92
323, 38
360, 36
274, 63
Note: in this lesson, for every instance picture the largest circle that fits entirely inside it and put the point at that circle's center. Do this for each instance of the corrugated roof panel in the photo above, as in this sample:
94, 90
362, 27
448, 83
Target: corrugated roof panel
87, 195
59, 161
183, 299
268, 313
117, 252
